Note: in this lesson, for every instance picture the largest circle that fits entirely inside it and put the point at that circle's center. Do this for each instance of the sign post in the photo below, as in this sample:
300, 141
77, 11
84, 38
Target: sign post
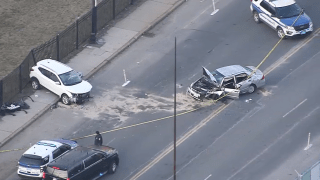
214, 8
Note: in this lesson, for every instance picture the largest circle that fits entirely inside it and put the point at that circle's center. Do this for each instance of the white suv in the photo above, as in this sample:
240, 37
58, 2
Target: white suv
284, 16
35, 159
61, 80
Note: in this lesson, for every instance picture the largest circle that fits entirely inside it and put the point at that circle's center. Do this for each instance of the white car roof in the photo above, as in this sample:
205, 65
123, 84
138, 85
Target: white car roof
54, 65
282, 3
43, 148
232, 70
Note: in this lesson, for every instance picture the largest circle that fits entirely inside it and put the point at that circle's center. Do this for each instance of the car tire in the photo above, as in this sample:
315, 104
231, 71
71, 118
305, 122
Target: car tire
252, 88
256, 17
113, 167
35, 83
280, 33
65, 99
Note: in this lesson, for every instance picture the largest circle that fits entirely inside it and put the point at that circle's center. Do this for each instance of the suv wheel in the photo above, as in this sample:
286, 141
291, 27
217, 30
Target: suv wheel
65, 99
281, 33
256, 17
35, 83
113, 167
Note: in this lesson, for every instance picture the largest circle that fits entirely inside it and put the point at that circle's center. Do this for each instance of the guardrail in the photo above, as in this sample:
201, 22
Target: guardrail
60, 46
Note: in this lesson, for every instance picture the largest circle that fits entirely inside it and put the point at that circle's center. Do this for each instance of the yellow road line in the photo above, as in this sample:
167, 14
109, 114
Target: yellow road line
180, 141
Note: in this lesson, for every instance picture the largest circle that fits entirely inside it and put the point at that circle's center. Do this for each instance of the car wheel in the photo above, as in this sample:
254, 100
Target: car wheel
35, 83
65, 99
281, 33
251, 88
113, 167
256, 17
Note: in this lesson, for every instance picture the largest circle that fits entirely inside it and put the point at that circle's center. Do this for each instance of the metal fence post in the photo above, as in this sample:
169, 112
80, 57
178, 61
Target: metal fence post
77, 33
58, 48
34, 59
1, 93
114, 9
20, 79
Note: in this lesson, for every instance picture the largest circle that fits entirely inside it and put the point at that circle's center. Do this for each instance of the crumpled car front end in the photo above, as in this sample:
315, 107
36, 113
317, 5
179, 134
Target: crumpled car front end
202, 88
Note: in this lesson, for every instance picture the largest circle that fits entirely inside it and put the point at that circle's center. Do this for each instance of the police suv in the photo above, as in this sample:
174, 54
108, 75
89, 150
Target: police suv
284, 16
34, 160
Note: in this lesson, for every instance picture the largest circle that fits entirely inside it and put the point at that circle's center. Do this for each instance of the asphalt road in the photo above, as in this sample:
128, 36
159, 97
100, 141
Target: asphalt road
232, 141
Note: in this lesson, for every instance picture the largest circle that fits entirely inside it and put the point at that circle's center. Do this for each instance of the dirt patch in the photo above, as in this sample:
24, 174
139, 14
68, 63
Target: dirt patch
119, 106
25, 24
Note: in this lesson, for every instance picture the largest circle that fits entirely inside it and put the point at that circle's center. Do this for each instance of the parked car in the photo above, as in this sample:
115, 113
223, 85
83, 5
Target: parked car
284, 16
61, 80
227, 81
35, 159
83, 163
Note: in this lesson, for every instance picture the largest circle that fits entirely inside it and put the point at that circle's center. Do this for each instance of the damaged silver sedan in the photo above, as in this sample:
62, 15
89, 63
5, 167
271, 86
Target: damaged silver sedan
229, 81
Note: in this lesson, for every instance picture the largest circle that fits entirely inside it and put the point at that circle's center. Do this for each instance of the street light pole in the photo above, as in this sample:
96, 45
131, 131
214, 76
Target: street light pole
175, 111
94, 22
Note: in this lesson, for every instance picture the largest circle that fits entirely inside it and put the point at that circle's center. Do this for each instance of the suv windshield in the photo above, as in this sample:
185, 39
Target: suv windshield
288, 11
70, 78
31, 160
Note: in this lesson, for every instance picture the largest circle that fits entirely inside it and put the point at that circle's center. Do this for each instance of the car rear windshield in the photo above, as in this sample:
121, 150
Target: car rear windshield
288, 11
59, 173
70, 78
31, 160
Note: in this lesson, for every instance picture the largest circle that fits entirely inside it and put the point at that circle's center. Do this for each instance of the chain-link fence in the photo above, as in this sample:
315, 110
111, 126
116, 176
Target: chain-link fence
313, 173
60, 46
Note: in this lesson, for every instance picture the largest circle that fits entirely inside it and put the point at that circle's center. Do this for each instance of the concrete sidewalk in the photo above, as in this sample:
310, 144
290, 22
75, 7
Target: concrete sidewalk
119, 37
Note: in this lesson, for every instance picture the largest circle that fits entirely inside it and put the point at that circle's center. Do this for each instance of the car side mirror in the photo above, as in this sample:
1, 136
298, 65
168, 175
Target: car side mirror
57, 83
237, 86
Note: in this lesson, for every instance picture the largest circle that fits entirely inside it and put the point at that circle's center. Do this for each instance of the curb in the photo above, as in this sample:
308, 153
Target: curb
135, 38
33, 119
96, 69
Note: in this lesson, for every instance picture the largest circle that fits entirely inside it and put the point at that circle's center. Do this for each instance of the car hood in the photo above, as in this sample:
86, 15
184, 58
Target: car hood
80, 88
304, 19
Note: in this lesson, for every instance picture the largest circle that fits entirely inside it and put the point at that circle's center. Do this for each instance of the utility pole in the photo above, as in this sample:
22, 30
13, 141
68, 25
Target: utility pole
94, 22
175, 111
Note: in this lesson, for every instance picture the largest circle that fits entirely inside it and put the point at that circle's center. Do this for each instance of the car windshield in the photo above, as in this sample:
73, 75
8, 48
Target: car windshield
288, 11
218, 76
31, 160
70, 78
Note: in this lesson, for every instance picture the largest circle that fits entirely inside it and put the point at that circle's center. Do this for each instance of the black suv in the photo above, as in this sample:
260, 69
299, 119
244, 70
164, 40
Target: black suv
83, 163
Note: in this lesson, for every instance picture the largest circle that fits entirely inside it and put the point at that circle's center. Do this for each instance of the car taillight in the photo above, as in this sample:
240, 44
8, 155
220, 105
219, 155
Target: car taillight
31, 69
55, 167
43, 175
68, 178
262, 77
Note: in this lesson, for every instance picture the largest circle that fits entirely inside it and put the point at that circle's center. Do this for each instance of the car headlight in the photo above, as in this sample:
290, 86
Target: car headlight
310, 24
289, 27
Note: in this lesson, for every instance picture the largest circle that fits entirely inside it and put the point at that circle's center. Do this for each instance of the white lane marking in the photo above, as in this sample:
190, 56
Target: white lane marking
272, 144
208, 177
295, 107
192, 76
180, 141
111, 141
194, 19
234, 125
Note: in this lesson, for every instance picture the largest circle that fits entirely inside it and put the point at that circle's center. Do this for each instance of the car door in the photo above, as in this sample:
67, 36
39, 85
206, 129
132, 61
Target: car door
93, 165
242, 82
44, 78
54, 87
268, 12
229, 88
